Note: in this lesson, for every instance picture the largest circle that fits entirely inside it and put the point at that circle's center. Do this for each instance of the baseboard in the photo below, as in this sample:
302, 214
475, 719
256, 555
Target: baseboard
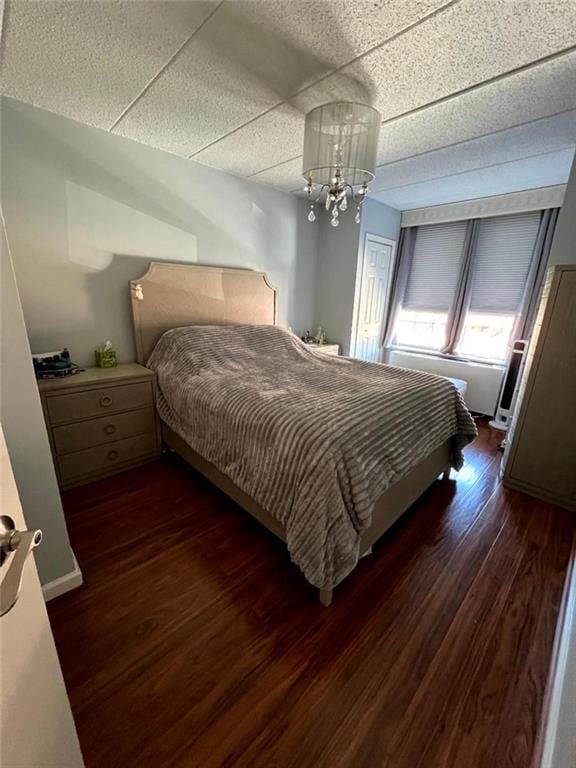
64, 583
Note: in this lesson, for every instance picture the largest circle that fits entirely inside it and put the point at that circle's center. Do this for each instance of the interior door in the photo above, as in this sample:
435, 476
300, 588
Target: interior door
372, 297
36, 725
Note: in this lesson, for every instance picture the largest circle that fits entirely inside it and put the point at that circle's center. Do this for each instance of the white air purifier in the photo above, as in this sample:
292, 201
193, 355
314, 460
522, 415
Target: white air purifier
506, 399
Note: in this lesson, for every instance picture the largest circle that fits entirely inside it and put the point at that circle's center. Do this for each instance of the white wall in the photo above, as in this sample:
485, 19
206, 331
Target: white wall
564, 244
86, 210
26, 438
339, 251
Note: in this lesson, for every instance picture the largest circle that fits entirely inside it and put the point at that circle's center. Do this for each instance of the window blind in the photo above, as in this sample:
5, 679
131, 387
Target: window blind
501, 262
436, 261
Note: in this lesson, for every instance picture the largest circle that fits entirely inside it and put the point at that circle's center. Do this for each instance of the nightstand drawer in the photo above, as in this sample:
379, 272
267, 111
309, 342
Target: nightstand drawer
92, 461
107, 429
98, 401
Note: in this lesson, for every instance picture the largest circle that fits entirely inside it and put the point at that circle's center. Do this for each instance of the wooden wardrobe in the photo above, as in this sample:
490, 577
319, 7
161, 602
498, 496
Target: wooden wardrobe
540, 458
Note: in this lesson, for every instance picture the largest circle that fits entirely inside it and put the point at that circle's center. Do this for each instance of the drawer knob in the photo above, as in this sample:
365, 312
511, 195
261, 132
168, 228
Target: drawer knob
106, 401
112, 455
109, 429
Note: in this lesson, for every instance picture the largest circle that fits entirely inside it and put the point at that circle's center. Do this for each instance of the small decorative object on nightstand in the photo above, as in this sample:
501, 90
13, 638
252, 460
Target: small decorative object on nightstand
100, 422
319, 342
320, 337
105, 356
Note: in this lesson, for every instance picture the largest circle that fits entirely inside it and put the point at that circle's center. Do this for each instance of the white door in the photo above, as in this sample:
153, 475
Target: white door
372, 297
36, 725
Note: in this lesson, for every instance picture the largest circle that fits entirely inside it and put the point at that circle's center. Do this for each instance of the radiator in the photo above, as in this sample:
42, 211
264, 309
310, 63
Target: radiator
484, 381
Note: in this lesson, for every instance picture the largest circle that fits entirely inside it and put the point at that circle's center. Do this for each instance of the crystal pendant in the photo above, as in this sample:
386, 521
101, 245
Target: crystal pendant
311, 215
334, 222
357, 217
328, 202
343, 203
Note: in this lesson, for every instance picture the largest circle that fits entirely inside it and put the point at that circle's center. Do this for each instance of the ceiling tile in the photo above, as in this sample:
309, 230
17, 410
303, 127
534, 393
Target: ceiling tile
532, 94
88, 60
470, 42
210, 88
251, 57
287, 176
529, 173
537, 138
272, 138
310, 38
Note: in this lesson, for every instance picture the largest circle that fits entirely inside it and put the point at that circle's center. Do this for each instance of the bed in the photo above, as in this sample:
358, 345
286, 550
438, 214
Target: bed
325, 452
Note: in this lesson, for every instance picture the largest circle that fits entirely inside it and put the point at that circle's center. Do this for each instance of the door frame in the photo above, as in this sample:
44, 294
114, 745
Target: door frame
360, 277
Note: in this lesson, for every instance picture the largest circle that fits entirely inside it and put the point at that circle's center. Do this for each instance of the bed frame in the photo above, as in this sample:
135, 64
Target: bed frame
173, 295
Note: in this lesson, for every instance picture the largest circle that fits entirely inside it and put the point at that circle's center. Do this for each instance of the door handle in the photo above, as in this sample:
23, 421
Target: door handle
15, 546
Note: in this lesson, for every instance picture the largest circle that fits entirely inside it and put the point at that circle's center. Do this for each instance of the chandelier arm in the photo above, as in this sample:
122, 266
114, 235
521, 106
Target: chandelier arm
318, 197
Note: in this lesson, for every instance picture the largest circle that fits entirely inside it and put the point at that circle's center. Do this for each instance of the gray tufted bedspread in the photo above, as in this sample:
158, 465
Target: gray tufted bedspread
315, 440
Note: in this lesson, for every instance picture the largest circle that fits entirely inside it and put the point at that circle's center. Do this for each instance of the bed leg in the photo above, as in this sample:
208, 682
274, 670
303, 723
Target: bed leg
325, 596
446, 474
366, 552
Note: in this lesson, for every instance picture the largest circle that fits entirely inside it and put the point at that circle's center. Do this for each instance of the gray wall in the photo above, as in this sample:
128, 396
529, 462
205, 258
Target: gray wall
26, 438
564, 244
337, 255
339, 251
380, 219
86, 211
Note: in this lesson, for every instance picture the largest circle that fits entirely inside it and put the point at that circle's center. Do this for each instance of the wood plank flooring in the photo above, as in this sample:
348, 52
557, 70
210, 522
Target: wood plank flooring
195, 642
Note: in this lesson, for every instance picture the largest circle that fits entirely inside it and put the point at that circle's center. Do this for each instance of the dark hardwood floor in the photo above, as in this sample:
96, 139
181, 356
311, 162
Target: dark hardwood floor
195, 642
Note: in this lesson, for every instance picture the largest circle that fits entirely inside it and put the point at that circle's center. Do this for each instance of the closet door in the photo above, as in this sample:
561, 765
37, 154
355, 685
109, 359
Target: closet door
372, 297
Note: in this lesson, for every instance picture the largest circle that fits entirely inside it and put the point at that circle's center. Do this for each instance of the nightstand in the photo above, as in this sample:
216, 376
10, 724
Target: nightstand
100, 422
326, 349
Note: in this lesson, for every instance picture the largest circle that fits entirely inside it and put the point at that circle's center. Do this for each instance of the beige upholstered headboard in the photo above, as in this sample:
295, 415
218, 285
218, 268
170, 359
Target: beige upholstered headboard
173, 295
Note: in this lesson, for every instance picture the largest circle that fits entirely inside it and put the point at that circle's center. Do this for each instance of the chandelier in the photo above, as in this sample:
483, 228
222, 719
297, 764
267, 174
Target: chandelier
340, 146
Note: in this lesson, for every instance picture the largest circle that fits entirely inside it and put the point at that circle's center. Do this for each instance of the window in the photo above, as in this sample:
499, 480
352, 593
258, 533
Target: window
473, 291
485, 337
423, 330
432, 281
500, 264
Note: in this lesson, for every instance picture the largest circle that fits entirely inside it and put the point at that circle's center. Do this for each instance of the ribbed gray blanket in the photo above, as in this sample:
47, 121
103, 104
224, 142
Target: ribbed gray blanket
315, 440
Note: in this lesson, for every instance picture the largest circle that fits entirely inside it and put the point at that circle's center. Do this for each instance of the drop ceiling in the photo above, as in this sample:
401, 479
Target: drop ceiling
477, 97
